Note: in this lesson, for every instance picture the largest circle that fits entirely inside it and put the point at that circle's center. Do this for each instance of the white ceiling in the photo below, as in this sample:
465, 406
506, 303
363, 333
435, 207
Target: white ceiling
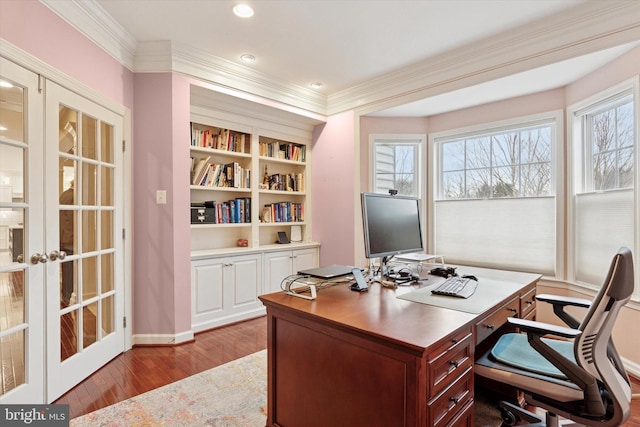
345, 43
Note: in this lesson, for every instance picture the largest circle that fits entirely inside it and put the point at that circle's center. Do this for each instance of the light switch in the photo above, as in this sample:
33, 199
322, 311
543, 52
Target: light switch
161, 197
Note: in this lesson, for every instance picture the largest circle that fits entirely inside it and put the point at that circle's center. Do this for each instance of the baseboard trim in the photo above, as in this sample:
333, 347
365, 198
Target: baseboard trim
162, 339
631, 367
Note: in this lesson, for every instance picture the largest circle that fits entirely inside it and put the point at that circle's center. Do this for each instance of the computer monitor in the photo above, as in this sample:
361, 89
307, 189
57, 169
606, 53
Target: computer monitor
391, 225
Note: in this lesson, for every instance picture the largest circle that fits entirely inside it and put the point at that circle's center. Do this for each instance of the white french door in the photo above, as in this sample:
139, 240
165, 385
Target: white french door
84, 214
61, 242
21, 230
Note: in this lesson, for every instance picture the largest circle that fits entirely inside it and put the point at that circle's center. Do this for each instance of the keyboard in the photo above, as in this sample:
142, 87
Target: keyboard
461, 287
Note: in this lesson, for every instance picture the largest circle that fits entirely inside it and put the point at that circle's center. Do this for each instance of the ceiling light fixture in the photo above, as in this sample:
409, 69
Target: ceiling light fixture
243, 10
316, 85
248, 58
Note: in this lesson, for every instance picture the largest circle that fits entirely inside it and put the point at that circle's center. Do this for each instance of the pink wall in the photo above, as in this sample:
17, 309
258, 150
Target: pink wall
34, 28
501, 110
616, 71
161, 278
333, 181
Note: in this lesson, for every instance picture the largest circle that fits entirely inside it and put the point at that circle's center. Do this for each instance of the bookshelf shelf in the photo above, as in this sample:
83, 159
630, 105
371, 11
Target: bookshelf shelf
226, 189
283, 161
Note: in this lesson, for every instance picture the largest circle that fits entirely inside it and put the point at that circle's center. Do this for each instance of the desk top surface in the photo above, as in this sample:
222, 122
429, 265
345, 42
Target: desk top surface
378, 312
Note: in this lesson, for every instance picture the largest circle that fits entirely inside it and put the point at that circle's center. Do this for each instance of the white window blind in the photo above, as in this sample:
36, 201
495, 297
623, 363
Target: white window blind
604, 223
516, 233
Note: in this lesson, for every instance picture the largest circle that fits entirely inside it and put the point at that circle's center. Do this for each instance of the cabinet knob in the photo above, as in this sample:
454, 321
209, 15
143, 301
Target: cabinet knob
454, 363
490, 326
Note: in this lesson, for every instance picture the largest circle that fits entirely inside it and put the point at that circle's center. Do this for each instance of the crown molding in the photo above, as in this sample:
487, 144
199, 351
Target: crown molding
587, 28
582, 30
98, 26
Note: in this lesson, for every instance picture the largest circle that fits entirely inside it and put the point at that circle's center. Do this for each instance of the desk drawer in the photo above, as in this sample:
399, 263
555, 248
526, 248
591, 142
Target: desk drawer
493, 322
447, 362
527, 303
452, 400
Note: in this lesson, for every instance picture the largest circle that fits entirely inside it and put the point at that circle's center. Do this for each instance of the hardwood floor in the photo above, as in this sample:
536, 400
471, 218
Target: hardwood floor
145, 368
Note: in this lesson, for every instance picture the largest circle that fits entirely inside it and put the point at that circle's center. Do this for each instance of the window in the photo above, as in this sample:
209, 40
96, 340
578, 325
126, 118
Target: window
604, 153
513, 163
396, 164
609, 145
494, 195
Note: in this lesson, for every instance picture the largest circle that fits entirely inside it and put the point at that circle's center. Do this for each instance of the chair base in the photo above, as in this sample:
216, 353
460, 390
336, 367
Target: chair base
511, 414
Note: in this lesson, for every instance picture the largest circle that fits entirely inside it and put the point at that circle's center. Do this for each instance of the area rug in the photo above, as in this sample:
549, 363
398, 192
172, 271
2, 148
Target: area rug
231, 395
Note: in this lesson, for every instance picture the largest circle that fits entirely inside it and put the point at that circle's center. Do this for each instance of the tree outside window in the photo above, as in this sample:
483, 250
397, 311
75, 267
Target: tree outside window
611, 144
513, 163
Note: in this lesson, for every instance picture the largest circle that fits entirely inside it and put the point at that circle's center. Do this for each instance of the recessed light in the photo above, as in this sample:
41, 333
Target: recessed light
316, 85
243, 10
248, 58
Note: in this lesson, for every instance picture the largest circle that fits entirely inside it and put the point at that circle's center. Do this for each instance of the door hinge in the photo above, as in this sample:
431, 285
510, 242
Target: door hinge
124, 144
124, 322
40, 83
123, 234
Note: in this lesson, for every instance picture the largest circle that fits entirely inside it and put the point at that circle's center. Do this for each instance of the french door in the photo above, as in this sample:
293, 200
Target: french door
22, 303
61, 279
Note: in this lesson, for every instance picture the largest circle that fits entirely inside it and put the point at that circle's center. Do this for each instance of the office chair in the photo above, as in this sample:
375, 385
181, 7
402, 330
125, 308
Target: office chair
579, 377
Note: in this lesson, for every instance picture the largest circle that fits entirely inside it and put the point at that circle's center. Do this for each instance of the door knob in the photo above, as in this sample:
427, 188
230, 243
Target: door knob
37, 257
54, 255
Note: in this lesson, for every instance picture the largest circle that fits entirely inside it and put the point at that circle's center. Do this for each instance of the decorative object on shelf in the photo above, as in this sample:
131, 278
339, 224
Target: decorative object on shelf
296, 233
242, 243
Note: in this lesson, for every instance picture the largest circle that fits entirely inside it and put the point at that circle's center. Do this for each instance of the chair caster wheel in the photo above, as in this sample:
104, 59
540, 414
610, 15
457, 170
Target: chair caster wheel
508, 418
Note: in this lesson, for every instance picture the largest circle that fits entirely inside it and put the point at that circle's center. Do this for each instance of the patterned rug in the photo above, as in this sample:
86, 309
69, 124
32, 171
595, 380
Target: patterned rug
231, 395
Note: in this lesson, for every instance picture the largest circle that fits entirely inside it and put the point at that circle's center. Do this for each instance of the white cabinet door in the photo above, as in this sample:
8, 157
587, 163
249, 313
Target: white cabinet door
282, 264
207, 283
304, 259
225, 290
277, 266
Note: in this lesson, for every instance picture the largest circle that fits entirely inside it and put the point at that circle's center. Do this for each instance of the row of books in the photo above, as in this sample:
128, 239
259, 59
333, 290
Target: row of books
283, 212
234, 211
282, 150
287, 182
208, 174
221, 139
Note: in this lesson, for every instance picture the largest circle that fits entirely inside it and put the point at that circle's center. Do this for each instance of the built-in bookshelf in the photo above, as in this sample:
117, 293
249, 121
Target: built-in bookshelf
246, 186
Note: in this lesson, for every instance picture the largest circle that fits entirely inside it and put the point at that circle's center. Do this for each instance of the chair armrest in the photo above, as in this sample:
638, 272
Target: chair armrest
563, 301
541, 328
559, 303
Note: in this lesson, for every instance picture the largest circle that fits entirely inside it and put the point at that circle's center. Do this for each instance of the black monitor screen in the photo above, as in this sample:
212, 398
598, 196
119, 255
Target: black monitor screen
391, 225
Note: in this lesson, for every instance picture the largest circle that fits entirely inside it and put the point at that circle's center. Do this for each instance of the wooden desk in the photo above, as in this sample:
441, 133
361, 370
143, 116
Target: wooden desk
371, 359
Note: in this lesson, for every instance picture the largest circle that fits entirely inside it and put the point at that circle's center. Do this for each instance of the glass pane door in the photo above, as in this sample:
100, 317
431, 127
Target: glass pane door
85, 284
21, 282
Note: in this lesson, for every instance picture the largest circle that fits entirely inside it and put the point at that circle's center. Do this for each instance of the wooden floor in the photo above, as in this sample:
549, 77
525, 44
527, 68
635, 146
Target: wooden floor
145, 368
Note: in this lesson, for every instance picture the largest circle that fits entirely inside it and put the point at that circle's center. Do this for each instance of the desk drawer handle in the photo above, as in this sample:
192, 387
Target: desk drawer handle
513, 310
454, 363
455, 400
490, 327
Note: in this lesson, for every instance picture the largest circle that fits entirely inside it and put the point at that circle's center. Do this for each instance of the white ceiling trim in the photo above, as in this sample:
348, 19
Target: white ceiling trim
98, 26
597, 26
591, 27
